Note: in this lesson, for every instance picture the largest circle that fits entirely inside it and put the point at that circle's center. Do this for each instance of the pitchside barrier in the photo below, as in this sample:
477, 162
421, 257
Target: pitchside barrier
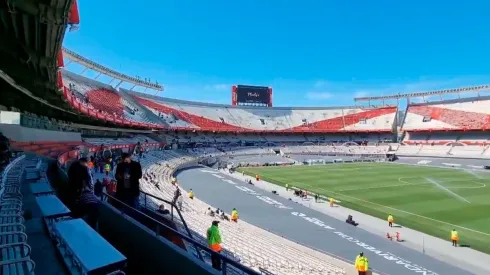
332, 161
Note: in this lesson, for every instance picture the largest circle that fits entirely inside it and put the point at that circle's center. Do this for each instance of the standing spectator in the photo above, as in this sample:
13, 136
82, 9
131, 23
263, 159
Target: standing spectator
78, 177
214, 241
177, 194
180, 202
128, 175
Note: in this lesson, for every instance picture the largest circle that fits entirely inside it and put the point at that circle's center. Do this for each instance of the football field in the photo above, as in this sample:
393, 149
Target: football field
428, 199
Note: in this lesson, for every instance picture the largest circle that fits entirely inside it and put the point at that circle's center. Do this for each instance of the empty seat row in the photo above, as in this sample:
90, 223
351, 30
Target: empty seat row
14, 250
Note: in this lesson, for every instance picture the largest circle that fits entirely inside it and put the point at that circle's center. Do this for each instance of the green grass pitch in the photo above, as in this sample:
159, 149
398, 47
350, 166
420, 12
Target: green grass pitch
427, 199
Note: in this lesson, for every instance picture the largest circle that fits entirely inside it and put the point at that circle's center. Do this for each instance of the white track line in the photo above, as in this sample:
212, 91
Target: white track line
438, 185
401, 211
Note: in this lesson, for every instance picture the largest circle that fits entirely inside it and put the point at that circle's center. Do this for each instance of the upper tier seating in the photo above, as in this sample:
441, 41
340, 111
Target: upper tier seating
464, 114
213, 117
102, 98
97, 95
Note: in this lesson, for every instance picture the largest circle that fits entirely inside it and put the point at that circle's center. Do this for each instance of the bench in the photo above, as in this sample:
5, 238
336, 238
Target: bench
84, 250
51, 207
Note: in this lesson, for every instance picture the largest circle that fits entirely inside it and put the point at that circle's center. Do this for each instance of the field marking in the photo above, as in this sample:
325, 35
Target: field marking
438, 185
482, 185
407, 183
344, 169
402, 211
473, 173
404, 183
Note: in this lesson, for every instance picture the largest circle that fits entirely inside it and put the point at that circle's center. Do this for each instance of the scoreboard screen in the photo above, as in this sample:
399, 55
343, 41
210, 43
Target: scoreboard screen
252, 94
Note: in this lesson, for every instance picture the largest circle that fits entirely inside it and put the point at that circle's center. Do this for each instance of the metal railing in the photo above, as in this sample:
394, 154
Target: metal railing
229, 266
173, 206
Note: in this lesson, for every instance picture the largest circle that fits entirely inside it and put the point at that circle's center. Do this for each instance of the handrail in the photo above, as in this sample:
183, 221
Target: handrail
6, 171
172, 216
226, 260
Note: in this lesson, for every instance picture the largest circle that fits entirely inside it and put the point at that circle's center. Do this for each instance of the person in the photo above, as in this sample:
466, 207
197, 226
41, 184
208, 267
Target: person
351, 221
128, 175
209, 212
331, 201
177, 194
454, 237
234, 215
89, 206
78, 177
98, 188
361, 264
191, 194
316, 197
390, 220
180, 203
287, 187
214, 242
162, 210
107, 169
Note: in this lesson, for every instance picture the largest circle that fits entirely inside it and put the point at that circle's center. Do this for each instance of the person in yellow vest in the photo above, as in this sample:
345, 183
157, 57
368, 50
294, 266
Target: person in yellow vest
191, 194
234, 215
107, 169
331, 201
214, 242
287, 187
362, 264
390, 220
454, 237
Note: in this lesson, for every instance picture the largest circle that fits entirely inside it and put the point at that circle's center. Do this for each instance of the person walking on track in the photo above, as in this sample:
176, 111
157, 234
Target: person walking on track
390, 220
454, 237
362, 264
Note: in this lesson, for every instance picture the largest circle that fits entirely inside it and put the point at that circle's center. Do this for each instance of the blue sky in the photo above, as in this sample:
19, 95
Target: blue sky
313, 53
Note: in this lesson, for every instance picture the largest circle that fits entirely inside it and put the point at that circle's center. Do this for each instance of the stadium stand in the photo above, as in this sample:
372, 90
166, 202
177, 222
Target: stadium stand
102, 101
211, 117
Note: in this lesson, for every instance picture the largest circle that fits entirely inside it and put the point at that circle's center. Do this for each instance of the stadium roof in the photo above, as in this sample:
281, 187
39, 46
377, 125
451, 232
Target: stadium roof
70, 55
31, 34
429, 93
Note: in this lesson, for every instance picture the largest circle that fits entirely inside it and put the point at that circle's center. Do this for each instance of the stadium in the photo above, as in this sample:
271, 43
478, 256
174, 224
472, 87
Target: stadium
294, 174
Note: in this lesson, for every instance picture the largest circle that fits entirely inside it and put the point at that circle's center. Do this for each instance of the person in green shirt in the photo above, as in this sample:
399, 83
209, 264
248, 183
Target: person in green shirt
214, 241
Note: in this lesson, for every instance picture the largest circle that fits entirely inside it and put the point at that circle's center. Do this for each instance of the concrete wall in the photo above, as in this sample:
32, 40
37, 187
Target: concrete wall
19, 133
147, 253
